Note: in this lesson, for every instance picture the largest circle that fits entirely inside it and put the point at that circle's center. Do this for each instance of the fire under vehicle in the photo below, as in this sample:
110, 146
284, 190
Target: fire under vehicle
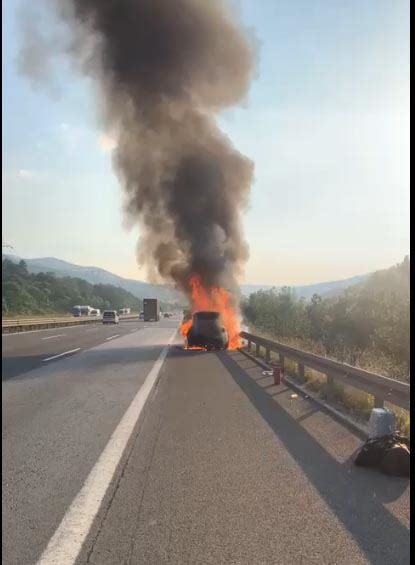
208, 331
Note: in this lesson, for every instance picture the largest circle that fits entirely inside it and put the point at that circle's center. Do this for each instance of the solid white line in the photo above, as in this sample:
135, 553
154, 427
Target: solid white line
53, 336
66, 543
112, 337
60, 354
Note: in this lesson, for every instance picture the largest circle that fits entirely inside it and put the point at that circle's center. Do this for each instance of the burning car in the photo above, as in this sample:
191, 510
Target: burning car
207, 330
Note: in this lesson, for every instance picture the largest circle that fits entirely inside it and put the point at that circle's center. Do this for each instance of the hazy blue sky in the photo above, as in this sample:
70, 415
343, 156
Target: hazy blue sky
326, 123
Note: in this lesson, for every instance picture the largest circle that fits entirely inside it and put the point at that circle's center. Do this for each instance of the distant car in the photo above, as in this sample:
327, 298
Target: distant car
110, 317
208, 331
141, 316
166, 315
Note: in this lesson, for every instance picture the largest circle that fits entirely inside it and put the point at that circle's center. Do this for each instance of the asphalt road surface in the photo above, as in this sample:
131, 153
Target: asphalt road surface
27, 350
220, 466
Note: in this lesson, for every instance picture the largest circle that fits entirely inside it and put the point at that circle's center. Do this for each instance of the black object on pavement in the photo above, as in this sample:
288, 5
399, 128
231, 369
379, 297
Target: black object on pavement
390, 454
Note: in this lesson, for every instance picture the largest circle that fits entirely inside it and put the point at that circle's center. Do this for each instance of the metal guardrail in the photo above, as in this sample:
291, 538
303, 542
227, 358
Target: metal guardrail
22, 321
383, 389
25, 324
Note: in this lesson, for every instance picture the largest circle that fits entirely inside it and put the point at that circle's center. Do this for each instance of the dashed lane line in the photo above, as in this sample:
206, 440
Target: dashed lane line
112, 337
61, 354
53, 336
66, 543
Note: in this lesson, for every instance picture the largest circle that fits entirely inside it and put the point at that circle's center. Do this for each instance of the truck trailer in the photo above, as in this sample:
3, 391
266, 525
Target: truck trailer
151, 310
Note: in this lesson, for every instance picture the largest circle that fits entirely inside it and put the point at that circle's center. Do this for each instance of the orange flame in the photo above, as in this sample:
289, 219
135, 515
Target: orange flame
185, 327
218, 300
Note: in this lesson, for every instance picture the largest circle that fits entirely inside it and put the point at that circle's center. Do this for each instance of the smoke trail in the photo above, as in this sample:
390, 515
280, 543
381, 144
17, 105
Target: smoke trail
165, 69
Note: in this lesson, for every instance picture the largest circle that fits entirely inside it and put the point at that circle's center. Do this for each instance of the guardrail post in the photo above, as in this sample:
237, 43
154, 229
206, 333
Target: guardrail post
282, 363
378, 402
267, 355
257, 346
329, 387
249, 345
301, 370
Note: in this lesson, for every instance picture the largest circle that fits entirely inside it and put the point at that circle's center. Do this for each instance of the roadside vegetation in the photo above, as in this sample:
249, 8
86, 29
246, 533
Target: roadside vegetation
367, 325
44, 293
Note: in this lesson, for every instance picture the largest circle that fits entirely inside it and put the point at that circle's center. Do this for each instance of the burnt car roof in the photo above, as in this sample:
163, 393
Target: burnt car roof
207, 315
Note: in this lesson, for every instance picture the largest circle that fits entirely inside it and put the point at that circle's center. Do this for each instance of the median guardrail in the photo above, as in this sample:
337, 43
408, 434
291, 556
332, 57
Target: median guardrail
383, 389
30, 324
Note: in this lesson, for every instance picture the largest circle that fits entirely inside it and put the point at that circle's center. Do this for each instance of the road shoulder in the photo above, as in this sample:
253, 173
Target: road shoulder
226, 469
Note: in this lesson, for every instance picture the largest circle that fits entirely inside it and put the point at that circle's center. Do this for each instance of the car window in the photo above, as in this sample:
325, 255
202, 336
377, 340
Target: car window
207, 315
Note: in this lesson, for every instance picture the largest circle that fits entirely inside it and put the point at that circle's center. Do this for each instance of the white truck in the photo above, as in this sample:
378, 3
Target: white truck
125, 311
78, 311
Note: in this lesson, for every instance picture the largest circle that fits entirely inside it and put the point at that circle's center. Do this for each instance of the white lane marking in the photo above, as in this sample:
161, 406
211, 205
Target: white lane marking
66, 543
132, 331
60, 354
53, 336
112, 337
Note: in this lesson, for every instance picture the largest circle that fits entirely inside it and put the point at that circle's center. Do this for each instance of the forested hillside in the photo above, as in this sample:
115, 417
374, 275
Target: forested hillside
28, 293
367, 325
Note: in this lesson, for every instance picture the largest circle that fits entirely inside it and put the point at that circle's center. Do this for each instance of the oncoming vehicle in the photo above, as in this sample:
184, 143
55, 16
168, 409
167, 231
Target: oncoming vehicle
110, 317
208, 331
78, 311
96, 312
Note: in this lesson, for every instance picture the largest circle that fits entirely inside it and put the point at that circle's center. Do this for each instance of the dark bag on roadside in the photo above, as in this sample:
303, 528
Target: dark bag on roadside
372, 451
390, 454
396, 461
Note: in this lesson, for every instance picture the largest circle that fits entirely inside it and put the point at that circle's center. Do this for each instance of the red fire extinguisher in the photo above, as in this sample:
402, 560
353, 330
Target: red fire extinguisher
277, 375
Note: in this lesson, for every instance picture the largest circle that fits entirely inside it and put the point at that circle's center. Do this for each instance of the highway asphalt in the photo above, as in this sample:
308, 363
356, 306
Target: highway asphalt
25, 351
221, 467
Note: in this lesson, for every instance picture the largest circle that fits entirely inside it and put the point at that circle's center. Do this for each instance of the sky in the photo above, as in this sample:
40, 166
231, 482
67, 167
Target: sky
326, 123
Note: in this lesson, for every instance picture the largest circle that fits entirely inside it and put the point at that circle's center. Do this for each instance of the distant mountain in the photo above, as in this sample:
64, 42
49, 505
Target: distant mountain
325, 289
96, 275
247, 289
141, 289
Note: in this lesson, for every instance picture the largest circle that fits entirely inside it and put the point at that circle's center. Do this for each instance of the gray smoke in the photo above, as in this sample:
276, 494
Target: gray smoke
164, 69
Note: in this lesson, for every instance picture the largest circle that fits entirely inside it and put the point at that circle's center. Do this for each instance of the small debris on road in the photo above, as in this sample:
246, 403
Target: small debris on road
292, 396
267, 373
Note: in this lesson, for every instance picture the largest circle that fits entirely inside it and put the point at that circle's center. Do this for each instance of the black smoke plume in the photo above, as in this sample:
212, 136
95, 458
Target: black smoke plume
165, 69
